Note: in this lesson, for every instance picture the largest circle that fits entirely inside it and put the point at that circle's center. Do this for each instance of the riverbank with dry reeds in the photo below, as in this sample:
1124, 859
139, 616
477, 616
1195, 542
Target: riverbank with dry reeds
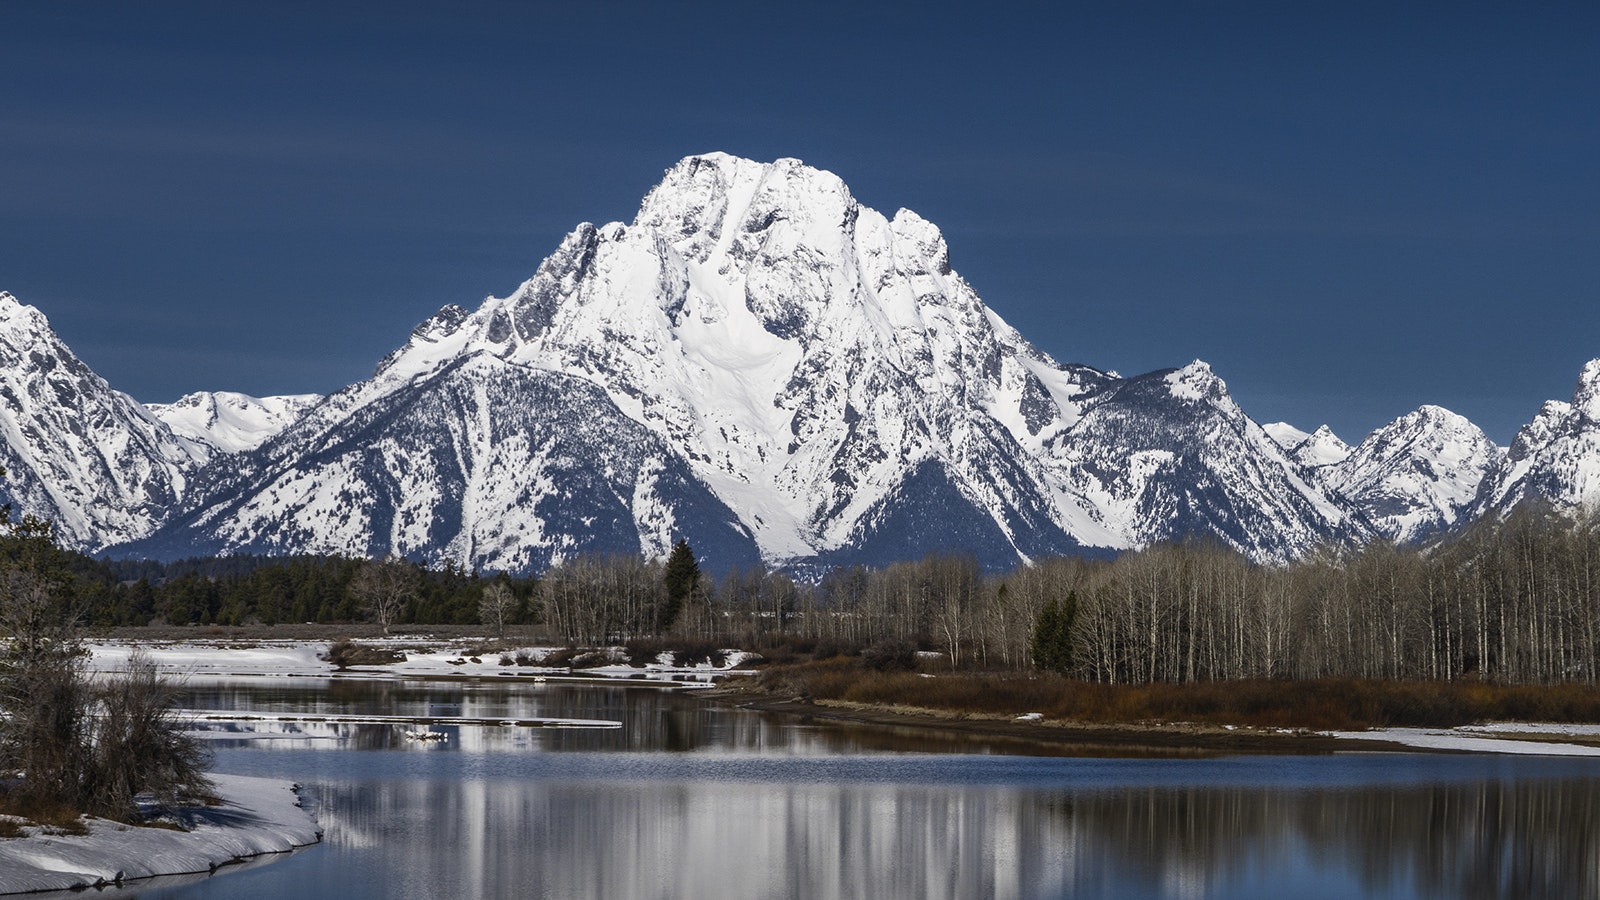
1248, 716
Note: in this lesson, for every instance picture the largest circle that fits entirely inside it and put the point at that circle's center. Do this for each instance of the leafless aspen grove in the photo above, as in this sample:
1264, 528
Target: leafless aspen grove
1514, 601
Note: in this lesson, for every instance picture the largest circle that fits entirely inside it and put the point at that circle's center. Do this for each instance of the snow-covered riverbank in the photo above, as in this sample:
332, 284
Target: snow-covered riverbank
425, 658
1512, 738
256, 816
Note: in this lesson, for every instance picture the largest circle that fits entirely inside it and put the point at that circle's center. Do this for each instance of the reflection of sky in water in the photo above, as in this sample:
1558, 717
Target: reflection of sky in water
763, 809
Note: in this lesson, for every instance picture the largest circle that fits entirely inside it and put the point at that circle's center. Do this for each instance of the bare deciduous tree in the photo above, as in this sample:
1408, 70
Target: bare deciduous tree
382, 587
495, 606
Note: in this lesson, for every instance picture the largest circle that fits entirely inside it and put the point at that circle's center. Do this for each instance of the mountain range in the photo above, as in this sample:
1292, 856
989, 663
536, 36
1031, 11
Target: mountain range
759, 364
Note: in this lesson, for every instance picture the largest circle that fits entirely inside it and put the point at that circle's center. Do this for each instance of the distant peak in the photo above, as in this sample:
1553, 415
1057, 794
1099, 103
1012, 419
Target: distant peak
1324, 433
1196, 382
1285, 435
1322, 448
1439, 417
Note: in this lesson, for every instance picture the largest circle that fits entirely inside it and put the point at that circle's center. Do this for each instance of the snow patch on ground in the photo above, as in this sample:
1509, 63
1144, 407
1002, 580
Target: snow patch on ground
425, 658
257, 816
1484, 738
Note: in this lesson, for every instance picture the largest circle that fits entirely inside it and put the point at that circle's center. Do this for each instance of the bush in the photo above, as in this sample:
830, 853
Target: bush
345, 653
578, 658
677, 652
139, 748
87, 748
890, 656
1326, 703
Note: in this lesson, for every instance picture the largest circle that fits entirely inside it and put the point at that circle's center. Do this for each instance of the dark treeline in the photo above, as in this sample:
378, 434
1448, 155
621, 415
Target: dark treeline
241, 590
1514, 601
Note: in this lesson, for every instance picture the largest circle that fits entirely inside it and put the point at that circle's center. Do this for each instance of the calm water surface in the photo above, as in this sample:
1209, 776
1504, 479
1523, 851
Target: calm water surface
688, 800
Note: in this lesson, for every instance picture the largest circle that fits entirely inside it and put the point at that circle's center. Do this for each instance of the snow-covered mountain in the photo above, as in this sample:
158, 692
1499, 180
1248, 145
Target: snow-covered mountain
1417, 475
1170, 455
814, 377
1555, 458
1318, 453
1320, 448
1285, 435
77, 453
229, 422
764, 366
479, 461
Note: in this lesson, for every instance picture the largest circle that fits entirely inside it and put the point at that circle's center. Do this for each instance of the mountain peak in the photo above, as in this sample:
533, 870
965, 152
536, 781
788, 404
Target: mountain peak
706, 202
1417, 474
15, 311
1321, 448
1195, 382
1285, 435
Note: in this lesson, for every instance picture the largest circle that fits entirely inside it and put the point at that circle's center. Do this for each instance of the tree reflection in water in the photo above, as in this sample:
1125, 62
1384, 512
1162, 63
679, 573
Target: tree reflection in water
694, 801
706, 839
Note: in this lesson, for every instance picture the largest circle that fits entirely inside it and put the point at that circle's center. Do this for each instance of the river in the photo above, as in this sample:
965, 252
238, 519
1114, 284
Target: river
694, 800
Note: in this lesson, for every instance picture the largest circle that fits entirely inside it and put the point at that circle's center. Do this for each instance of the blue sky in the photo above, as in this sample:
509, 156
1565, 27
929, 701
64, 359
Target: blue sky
1348, 209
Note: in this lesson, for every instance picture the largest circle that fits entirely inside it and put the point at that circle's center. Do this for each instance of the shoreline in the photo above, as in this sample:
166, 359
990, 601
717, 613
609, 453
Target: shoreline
1061, 738
441, 659
257, 818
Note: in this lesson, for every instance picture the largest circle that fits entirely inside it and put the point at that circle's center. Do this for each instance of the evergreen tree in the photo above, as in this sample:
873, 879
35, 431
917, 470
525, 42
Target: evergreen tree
681, 577
1052, 634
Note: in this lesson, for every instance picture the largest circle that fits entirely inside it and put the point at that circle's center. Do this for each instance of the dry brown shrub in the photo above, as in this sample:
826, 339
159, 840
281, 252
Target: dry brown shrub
344, 653
56, 817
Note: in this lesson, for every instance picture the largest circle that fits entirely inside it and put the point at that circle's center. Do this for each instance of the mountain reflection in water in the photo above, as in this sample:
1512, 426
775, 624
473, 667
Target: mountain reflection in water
697, 802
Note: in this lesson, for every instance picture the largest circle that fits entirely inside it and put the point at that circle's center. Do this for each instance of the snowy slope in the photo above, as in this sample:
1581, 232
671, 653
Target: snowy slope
1285, 435
1555, 458
482, 462
230, 422
1416, 475
85, 457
